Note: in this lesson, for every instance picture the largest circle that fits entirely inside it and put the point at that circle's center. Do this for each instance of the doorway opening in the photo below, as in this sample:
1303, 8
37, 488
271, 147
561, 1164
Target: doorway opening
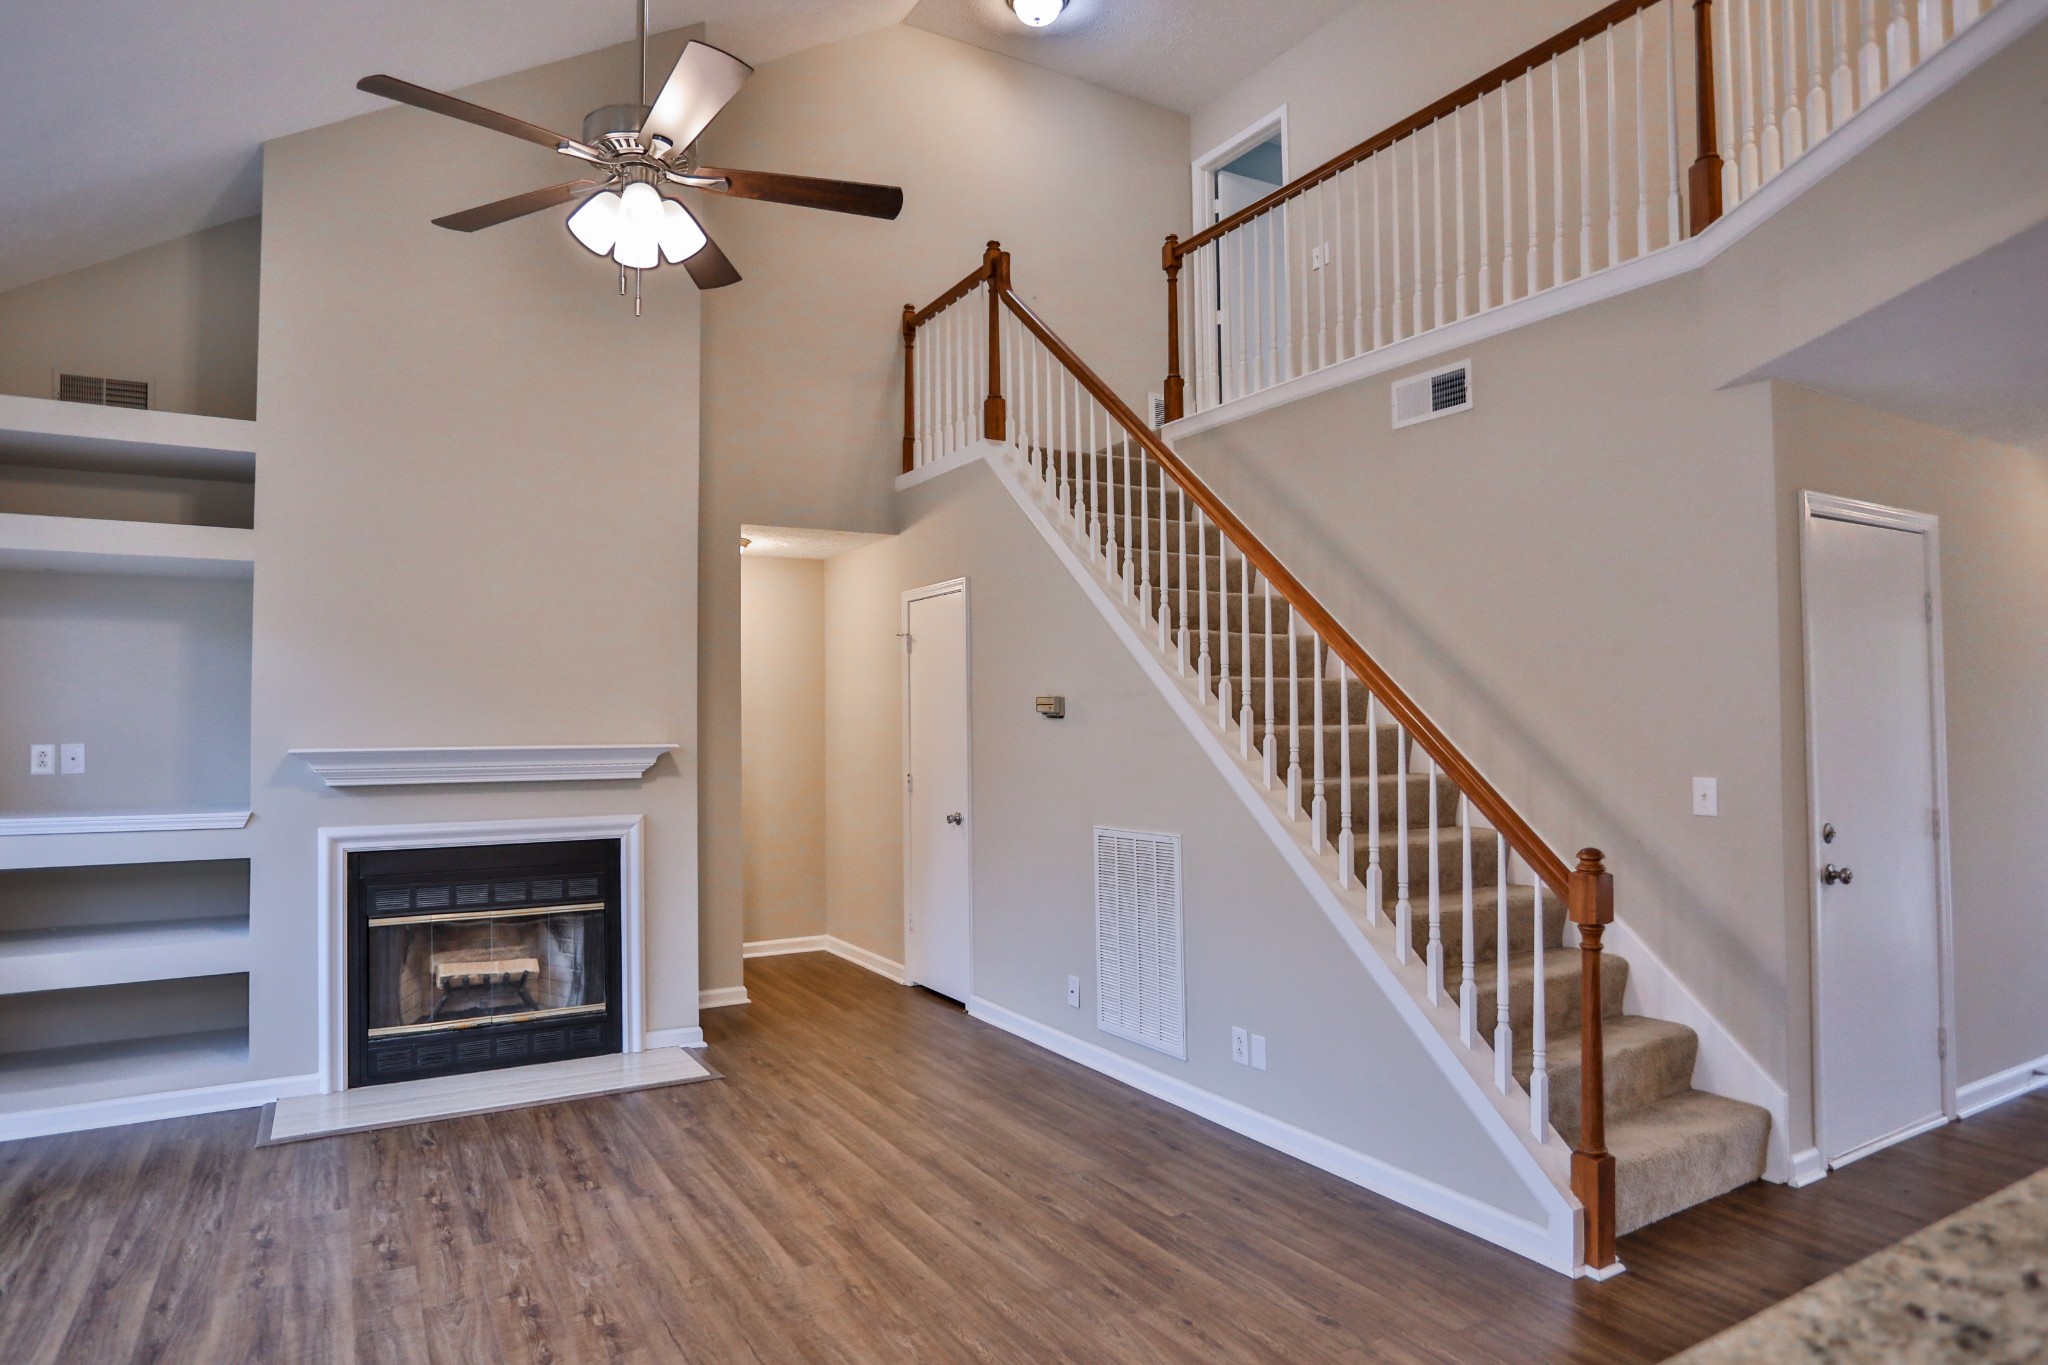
1247, 294
1883, 973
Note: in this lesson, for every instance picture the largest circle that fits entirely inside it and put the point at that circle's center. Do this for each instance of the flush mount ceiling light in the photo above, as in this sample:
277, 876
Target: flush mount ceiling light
637, 147
1038, 13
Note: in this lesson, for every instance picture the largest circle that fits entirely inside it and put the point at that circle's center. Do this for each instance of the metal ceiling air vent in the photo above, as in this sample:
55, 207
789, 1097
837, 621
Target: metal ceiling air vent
110, 393
1437, 393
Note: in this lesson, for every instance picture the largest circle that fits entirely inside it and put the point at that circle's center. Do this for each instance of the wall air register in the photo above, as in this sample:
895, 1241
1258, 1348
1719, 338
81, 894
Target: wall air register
470, 959
1438, 393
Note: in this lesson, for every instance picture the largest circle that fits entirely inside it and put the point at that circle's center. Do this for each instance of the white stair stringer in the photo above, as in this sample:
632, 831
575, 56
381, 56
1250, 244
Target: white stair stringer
1544, 1167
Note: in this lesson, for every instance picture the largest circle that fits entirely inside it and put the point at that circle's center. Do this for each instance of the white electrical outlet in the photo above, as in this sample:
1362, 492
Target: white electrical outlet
1240, 1047
42, 760
1706, 796
1074, 991
1258, 1052
71, 759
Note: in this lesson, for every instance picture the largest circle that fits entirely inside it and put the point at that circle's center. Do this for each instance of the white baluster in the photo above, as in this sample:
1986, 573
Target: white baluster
1436, 222
1323, 276
1931, 35
1202, 603
1394, 178
1458, 168
1182, 529
1503, 1026
1816, 70
1767, 81
1347, 838
1793, 123
1243, 313
1358, 173
1613, 158
1507, 194
1898, 45
1752, 151
1468, 967
1842, 81
1293, 694
1643, 138
1485, 220
1433, 956
1245, 720
1585, 171
1269, 750
1404, 911
1532, 270
1379, 335
1557, 234
1415, 224
1727, 110
1284, 289
1319, 807
1671, 118
1375, 899
1539, 1029
1871, 58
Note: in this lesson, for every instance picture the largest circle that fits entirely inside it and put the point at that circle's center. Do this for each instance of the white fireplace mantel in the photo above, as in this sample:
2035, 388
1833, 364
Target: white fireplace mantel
483, 763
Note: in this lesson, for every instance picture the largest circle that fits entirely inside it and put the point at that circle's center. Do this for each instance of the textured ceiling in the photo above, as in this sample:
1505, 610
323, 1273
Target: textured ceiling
133, 122
1177, 53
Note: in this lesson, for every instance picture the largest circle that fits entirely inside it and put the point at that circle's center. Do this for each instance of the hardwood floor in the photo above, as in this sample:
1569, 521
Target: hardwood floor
879, 1179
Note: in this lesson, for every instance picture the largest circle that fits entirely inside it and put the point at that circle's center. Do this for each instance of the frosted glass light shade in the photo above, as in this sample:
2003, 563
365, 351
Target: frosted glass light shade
596, 224
1038, 13
681, 238
640, 222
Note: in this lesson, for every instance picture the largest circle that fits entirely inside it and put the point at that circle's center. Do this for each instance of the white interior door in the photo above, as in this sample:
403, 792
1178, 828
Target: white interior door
937, 884
1874, 721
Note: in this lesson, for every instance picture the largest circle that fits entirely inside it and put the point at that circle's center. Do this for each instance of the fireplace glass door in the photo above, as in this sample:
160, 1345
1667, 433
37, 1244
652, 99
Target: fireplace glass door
432, 972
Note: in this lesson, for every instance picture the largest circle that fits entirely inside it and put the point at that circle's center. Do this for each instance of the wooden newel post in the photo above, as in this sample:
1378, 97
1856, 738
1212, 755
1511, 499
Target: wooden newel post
1176, 387
1703, 188
1592, 910
909, 388
996, 262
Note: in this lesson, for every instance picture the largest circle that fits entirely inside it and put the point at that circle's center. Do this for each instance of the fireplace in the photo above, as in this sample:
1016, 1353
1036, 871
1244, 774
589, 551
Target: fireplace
477, 957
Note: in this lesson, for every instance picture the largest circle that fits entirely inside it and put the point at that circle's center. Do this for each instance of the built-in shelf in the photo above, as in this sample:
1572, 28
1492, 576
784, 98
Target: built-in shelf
122, 822
84, 545
43, 431
532, 763
178, 1061
113, 954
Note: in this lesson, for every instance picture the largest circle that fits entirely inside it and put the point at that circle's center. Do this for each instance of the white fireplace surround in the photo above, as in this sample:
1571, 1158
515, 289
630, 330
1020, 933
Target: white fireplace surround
337, 844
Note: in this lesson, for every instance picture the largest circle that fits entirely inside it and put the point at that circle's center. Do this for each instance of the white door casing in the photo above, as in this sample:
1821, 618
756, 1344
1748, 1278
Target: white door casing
1883, 996
937, 807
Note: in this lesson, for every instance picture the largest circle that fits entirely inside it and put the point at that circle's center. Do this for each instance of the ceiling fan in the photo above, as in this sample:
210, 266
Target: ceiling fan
636, 148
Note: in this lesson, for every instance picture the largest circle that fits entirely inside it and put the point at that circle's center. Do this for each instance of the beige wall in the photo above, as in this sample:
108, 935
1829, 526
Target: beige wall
476, 511
1993, 505
1259, 951
1576, 579
802, 390
782, 745
1375, 64
181, 315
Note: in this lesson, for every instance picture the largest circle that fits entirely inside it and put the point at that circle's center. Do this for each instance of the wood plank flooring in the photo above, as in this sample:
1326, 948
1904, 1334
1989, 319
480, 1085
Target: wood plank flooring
879, 1179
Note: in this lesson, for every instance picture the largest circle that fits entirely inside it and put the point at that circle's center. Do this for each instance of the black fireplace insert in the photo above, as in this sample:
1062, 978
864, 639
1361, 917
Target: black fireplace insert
470, 959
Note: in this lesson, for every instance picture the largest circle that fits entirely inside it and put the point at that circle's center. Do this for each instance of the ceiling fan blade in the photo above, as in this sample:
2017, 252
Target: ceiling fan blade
703, 80
518, 206
839, 196
434, 102
710, 269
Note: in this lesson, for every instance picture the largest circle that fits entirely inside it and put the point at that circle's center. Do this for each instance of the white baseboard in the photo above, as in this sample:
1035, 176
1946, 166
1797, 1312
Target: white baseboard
829, 943
1807, 1166
1533, 1240
2001, 1086
169, 1104
674, 1037
1725, 1066
778, 947
720, 997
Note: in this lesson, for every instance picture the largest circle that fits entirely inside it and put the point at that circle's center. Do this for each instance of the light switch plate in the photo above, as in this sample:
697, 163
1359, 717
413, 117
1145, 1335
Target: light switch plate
1258, 1052
71, 759
1706, 796
42, 760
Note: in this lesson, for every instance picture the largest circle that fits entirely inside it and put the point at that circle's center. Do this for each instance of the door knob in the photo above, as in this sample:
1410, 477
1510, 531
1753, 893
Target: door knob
1832, 874
956, 818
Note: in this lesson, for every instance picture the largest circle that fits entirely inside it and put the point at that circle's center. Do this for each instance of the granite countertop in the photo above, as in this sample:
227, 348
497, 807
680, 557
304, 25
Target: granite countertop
1971, 1287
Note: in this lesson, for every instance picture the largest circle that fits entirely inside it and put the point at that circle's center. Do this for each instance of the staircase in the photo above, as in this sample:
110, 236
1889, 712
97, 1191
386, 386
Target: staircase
1445, 882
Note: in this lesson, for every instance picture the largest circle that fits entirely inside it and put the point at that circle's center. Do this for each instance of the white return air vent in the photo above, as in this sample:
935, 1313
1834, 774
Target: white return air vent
1435, 394
110, 393
1139, 984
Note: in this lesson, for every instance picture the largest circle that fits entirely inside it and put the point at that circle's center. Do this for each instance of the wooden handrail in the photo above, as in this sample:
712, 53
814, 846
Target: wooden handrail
1590, 27
980, 275
1545, 863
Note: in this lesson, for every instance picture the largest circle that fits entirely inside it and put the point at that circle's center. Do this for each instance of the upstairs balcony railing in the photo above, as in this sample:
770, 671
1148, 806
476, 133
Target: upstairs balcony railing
1621, 136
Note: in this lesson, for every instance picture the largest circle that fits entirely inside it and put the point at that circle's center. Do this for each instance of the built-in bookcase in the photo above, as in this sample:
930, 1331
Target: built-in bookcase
127, 578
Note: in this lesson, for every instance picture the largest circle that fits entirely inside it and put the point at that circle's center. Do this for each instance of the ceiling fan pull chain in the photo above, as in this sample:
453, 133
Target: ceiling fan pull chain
636, 291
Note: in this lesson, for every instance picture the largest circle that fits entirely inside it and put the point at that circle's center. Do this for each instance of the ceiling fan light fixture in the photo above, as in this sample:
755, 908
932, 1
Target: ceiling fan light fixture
596, 224
1038, 13
681, 237
640, 224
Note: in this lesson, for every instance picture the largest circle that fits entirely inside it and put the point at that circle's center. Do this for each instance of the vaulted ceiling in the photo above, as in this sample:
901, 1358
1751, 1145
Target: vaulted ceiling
133, 122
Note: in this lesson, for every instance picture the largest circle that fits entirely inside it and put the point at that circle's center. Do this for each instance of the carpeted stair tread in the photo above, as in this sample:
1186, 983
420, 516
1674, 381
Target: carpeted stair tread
1645, 1061
1560, 992
1683, 1151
